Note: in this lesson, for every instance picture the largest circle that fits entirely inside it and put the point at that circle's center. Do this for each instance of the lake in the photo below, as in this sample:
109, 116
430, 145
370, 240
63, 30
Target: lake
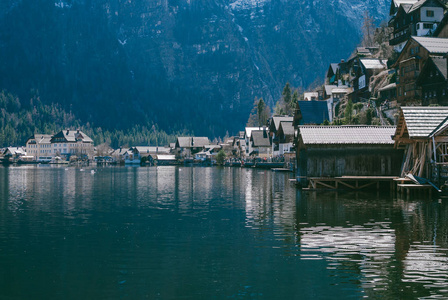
211, 233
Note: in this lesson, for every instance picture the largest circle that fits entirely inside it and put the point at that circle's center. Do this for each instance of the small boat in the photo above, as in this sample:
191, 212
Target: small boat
421, 180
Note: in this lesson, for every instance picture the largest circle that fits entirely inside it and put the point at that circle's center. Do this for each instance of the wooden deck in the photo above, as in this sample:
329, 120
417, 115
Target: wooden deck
408, 188
350, 182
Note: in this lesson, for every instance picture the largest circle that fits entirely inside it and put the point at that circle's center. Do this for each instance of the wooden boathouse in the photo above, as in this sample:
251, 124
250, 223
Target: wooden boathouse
353, 157
422, 133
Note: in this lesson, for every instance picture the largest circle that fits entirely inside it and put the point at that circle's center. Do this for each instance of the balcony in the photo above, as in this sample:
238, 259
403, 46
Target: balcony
400, 39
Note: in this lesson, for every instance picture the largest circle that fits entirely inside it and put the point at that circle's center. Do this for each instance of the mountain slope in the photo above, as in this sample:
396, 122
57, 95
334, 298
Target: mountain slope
192, 64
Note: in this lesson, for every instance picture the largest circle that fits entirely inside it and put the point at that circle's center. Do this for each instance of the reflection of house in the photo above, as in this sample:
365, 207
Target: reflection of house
433, 81
261, 143
39, 145
423, 133
346, 151
188, 146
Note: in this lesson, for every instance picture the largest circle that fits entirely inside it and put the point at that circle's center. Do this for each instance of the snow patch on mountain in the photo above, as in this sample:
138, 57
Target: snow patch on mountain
247, 4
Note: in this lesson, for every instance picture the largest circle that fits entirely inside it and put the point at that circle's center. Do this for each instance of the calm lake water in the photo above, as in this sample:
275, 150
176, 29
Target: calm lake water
211, 233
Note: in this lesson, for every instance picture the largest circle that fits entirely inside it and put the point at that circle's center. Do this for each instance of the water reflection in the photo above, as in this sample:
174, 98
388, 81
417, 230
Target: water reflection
170, 232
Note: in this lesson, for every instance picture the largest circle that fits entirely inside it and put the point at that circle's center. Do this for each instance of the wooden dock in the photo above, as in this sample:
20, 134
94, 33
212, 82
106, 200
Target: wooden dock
350, 182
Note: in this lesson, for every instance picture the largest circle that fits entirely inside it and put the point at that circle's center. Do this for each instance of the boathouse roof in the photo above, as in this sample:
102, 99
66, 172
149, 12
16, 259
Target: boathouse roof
419, 122
335, 135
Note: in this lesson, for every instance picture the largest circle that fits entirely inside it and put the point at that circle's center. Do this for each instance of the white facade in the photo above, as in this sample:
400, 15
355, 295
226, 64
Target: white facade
65, 143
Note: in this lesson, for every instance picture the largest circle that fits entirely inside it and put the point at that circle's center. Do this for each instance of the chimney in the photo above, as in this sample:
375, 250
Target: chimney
67, 132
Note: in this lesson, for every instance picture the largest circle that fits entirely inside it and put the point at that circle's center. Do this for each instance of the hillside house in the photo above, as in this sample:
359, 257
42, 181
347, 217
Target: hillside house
413, 18
410, 63
433, 81
188, 146
360, 74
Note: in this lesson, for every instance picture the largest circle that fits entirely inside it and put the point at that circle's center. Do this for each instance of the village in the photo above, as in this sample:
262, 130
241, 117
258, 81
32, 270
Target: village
377, 120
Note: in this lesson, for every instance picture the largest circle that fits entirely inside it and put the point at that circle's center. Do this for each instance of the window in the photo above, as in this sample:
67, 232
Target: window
427, 26
430, 13
418, 26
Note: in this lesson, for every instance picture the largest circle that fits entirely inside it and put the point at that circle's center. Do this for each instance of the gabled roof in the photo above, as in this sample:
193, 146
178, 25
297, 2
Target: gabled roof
72, 136
374, 63
420, 3
189, 142
353, 135
275, 121
41, 138
437, 62
313, 112
287, 128
260, 138
434, 45
420, 122
396, 3
14, 151
248, 130
121, 151
152, 149
440, 63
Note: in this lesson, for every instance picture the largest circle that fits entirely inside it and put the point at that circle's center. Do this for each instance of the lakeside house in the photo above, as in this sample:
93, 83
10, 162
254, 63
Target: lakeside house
433, 81
14, 153
261, 143
187, 147
68, 143
39, 145
274, 126
422, 132
72, 143
333, 151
